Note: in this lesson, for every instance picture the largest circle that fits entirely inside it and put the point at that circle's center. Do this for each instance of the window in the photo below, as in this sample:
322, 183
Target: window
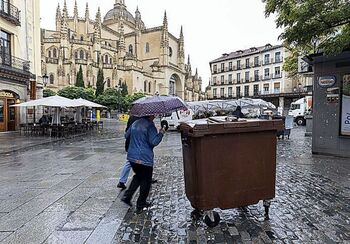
230, 91
106, 59
50, 55
276, 87
170, 52
256, 90
222, 67
267, 59
222, 92
222, 79
345, 106
147, 47
247, 65
238, 64
238, 78
230, 66
278, 57
215, 68
277, 72
246, 91
247, 76
238, 91
54, 53
131, 50
230, 78
214, 80
1, 111
214, 92
145, 86
108, 82
256, 75
266, 88
52, 78
81, 38
295, 106
172, 85
81, 54
76, 55
5, 47
267, 73
149, 87
256, 61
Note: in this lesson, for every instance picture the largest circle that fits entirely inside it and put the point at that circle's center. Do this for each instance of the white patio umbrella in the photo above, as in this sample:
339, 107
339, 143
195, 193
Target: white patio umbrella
80, 102
53, 101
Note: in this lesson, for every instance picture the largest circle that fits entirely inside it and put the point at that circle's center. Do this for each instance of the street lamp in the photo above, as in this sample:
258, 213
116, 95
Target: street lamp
45, 79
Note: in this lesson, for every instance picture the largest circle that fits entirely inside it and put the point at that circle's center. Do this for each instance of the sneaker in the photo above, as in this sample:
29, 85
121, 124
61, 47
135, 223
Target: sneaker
121, 185
139, 210
127, 202
145, 205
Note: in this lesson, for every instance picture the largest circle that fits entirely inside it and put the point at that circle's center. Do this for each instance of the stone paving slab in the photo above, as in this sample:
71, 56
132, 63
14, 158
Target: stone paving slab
63, 237
297, 213
3, 235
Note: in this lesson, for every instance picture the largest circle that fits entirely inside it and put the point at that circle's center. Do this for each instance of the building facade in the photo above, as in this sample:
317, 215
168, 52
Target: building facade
20, 69
256, 72
148, 60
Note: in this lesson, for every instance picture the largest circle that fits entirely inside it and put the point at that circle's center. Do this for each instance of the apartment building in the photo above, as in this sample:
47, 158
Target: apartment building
256, 72
19, 57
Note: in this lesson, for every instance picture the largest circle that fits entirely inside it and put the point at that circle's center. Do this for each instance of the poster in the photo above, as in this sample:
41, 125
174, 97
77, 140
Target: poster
345, 113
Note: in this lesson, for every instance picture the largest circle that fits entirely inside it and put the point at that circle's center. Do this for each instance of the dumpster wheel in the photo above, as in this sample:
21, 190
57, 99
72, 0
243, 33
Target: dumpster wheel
212, 219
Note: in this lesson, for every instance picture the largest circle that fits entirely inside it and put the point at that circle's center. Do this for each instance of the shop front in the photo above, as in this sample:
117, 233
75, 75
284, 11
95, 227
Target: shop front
331, 108
8, 113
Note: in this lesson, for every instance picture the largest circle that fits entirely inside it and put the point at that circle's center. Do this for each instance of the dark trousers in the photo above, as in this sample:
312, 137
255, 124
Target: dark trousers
142, 179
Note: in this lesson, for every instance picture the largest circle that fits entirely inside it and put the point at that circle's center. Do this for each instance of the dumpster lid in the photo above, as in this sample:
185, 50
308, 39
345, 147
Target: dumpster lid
224, 124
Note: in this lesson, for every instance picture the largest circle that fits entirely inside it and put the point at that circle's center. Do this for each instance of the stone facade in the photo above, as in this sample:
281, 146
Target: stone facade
149, 60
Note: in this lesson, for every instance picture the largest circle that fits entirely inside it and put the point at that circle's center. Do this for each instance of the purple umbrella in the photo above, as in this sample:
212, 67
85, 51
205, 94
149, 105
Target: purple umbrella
157, 105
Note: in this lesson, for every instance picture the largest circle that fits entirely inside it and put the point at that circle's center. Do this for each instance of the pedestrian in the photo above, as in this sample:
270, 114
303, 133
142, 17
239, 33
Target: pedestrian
238, 112
143, 138
126, 169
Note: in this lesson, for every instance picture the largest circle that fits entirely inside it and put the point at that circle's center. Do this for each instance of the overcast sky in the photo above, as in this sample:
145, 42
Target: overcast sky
211, 28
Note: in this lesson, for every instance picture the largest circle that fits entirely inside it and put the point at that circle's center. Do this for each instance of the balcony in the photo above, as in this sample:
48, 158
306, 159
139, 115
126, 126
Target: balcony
9, 12
107, 66
81, 61
277, 76
14, 69
51, 60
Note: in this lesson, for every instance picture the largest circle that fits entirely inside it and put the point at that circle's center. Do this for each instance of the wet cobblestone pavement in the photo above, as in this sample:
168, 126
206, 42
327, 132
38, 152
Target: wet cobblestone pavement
65, 192
311, 205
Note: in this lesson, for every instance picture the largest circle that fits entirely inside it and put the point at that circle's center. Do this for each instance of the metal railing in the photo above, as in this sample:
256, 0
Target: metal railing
8, 60
107, 66
52, 60
10, 12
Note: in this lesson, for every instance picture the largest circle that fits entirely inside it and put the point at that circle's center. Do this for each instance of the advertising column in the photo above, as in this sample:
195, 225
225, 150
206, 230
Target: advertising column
345, 114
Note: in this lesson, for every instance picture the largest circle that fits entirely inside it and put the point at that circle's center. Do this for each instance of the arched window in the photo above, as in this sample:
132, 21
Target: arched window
52, 78
54, 51
76, 55
82, 54
110, 60
131, 50
149, 87
147, 47
106, 59
108, 82
145, 86
81, 38
120, 83
170, 52
50, 54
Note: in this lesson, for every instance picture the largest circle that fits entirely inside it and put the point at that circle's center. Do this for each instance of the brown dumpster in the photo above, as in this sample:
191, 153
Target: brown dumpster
228, 164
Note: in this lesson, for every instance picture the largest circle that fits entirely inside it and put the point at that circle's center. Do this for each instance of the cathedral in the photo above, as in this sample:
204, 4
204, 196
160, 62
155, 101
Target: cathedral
148, 60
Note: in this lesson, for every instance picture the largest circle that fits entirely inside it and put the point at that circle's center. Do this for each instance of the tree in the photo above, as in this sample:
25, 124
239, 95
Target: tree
311, 26
80, 79
73, 92
124, 90
48, 93
100, 83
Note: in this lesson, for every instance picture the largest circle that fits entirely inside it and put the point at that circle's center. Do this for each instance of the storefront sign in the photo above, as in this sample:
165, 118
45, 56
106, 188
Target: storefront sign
326, 81
345, 114
6, 94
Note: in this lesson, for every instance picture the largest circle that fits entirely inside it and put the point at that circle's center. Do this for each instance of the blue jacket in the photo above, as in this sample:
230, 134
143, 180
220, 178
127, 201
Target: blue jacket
143, 138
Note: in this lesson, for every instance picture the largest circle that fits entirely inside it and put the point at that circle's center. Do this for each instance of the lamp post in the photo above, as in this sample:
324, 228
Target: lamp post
45, 79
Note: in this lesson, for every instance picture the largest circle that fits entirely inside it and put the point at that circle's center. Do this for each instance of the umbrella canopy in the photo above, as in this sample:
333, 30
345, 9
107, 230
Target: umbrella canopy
53, 101
156, 105
80, 102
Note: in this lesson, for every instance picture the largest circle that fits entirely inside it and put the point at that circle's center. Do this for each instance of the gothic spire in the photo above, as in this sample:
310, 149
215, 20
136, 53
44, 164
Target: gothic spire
121, 38
87, 14
165, 22
76, 14
188, 60
65, 10
98, 16
58, 12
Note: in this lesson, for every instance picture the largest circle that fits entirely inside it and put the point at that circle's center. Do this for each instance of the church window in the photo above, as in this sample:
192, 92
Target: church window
81, 38
149, 87
50, 54
106, 59
145, 86
131, 51
54, 53
120, 83
82, 54
147, 47
170, 52
108, 82
110, 60
52, 78
76, 55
